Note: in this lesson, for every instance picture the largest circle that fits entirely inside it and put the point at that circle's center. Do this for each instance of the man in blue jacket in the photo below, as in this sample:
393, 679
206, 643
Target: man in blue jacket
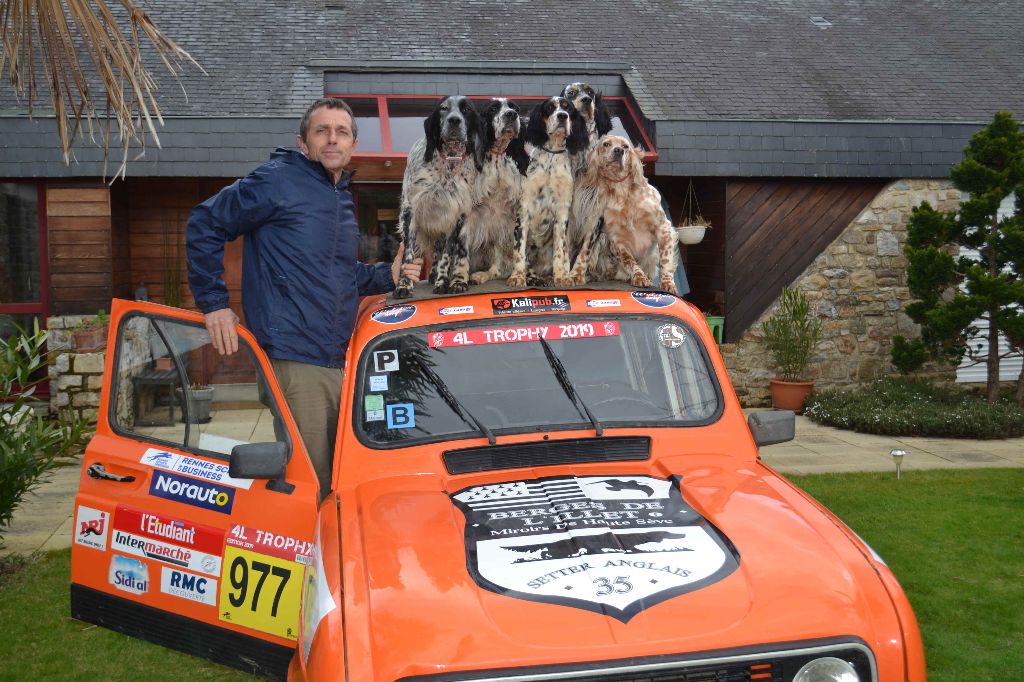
301, 281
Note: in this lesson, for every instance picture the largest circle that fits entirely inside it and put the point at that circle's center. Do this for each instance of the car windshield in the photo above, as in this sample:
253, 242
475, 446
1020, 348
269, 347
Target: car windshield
483, 378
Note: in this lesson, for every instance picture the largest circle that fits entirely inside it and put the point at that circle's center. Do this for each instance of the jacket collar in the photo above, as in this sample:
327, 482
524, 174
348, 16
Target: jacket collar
298, 158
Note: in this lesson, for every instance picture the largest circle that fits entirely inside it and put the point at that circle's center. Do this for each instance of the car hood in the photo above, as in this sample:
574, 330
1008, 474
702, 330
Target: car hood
598, 565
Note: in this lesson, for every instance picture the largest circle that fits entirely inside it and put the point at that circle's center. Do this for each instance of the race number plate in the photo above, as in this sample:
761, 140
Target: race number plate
261, 592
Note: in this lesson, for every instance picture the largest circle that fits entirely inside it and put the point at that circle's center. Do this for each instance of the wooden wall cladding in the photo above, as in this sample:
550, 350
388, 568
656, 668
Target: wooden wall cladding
78, 221
774, 230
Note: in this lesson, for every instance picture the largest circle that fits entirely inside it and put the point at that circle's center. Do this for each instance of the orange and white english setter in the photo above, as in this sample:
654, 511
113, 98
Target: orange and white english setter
636, 235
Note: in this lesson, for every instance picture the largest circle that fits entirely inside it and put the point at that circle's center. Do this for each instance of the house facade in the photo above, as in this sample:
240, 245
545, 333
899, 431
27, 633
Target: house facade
806, 130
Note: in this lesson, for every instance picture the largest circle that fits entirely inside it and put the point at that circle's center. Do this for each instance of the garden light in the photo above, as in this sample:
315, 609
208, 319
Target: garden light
897, 455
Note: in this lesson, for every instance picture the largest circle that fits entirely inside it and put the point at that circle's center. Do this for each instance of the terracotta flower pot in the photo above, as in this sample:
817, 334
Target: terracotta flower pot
91, 340
790, 395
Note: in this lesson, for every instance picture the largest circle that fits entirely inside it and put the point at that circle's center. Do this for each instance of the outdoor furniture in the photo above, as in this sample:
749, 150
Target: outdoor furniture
155, 377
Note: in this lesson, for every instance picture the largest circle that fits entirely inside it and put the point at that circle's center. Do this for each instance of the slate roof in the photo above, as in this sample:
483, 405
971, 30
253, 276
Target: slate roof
728, 66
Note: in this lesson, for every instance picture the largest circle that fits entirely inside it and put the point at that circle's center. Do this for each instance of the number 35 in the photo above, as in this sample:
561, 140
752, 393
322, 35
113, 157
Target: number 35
619, 586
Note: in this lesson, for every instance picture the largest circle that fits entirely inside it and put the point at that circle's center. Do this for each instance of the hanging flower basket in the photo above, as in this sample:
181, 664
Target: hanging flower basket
690, 234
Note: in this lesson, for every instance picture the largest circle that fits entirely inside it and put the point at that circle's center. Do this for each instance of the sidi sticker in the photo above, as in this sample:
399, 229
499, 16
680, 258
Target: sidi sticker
615, 545
128, 575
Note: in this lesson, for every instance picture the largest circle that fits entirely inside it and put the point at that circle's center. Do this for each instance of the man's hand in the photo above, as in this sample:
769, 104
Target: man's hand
223, 332
411, 270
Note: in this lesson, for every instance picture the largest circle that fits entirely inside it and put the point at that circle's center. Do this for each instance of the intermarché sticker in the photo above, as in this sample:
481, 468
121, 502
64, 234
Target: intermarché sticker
529, 304
261, 592
574, 330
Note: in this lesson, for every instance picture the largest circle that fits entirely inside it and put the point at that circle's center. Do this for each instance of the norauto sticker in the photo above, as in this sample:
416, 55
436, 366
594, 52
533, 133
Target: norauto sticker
198, 588
129, 575
91, 527
548, 332
178, 544
529, 304
273, 544
653, 299
193, 466
394, 314
192, 491
615, 545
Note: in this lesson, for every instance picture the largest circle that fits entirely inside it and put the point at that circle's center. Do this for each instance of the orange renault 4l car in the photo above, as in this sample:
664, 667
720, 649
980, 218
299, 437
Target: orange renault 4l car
535, 485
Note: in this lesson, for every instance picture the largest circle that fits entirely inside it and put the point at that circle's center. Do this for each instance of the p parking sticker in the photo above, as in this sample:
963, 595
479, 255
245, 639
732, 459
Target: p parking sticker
385, 361
611, 544
529, 304
394, 314
653, 299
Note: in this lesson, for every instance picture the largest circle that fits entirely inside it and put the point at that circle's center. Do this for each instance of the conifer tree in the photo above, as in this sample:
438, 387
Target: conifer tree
953, 291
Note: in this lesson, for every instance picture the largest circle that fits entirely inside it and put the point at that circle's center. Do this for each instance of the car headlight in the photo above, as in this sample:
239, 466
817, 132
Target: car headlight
828, 669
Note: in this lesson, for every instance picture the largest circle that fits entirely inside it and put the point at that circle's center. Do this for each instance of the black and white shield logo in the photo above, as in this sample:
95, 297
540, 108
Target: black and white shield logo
611, 544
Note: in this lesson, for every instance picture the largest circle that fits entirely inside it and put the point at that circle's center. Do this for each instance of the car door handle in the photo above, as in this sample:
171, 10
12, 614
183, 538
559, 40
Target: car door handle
98, 471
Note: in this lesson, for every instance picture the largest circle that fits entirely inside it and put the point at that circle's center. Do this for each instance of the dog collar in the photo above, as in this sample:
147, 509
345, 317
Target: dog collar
552, 151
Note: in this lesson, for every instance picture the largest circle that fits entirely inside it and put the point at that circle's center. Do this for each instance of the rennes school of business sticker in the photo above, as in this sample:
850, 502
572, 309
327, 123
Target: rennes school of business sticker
611, 544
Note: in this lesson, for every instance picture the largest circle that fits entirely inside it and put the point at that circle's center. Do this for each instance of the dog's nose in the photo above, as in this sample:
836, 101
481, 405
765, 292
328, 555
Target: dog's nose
510, 115
618, 152
562, 116
454, 121
585, 100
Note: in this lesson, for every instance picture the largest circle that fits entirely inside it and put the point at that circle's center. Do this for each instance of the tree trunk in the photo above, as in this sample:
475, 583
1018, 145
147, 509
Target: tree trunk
993, 358
1020, 388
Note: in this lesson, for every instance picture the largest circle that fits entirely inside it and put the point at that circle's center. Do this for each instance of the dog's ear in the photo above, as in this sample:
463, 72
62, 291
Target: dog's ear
474, 136
593, 172
536, 129
490, 133
432, 132
578, 139
517, 152
636, 165
602, 119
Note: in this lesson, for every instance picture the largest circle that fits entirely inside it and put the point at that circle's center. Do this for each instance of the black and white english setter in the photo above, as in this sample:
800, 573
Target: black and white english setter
439, 184
555, 130
484, 245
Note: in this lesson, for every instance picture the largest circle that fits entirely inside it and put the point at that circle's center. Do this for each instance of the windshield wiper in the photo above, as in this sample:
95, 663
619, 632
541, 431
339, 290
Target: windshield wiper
453, 402
563, 379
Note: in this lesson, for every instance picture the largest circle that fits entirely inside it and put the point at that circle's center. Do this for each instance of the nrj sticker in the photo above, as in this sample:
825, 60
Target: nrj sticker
91, 527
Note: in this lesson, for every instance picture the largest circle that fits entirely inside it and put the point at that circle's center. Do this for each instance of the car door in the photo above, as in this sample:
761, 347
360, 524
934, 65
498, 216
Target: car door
169, 546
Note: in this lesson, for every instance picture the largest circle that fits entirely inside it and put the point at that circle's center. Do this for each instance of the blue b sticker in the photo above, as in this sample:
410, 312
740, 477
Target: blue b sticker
401, 416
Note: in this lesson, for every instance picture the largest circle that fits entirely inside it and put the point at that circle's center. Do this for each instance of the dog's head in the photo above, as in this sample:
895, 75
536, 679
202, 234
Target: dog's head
590, 104
613, 159
501, 123
453, 130
555, 123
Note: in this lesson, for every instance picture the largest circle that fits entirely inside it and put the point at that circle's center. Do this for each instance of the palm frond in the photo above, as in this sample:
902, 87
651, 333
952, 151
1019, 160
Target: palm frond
69, 44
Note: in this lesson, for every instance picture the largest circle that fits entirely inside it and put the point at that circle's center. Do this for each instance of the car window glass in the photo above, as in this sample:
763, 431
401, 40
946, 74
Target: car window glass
643, 370
222, 401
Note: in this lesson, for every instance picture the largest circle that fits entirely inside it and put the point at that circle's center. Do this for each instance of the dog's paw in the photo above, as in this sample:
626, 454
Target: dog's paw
458, 286
441, 287
641, 280
577, 279
480, 277
403, 290
669, 286
516, 282
562, 282
537, 281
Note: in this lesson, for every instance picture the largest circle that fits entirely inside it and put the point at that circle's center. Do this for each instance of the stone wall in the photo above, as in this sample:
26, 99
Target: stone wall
75, 378
858, 286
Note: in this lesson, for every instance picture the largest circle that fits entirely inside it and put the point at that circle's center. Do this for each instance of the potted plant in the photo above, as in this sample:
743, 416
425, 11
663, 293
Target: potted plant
200, 399
90, 335
790, 335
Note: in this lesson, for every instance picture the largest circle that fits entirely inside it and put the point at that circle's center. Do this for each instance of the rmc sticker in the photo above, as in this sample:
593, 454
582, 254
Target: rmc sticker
552, 332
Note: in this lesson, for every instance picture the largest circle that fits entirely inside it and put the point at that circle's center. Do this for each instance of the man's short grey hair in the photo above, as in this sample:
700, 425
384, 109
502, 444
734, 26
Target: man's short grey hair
330, 103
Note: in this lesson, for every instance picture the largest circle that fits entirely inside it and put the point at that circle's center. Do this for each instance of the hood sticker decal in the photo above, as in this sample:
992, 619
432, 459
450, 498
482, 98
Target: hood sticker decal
611, 544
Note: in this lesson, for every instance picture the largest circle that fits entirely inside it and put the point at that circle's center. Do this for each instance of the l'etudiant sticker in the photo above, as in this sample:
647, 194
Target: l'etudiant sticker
615, 545
534, 332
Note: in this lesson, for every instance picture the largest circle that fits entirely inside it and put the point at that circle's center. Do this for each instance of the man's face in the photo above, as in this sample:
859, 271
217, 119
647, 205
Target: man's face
329, 140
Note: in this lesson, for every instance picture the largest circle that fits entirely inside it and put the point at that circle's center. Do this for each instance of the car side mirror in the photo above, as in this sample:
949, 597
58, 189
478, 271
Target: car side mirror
258, 460
769, 428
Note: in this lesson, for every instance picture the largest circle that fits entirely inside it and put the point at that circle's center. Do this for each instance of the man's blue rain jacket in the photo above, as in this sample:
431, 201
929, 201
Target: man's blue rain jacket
301, 281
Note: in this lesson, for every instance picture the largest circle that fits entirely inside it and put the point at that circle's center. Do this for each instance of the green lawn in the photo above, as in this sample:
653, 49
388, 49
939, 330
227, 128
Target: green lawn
955, 539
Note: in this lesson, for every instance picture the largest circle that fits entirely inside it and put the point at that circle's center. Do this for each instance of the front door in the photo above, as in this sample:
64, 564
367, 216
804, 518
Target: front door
168, 546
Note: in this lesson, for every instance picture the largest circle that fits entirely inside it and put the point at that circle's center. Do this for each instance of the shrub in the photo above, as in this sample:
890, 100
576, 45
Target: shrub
913, 407
30, 445
791, 334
